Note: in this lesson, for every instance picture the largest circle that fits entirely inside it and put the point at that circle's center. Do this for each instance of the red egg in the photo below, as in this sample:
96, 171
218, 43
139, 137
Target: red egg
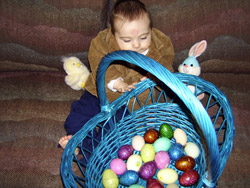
151, 136
189, 178
185, 163
154, 183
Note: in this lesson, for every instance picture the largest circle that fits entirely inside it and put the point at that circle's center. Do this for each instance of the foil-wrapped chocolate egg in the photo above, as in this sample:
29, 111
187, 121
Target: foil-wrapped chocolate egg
176, 151
125, 152
130, 177
185, 163
189, 178
154, 183
148, 170
166, 131
151, 136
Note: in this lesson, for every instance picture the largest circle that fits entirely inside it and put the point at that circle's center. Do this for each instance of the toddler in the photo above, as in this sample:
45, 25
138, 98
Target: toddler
130, 29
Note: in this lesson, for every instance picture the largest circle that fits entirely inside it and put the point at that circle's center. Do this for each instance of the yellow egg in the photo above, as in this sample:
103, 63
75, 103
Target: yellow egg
134, 162
192, 150
167, 176
180, 136
138, 142
172, 185
147, 153
110, 179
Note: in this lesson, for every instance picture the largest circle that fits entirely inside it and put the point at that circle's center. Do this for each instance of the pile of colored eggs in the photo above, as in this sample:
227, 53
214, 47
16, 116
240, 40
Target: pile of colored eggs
156, 153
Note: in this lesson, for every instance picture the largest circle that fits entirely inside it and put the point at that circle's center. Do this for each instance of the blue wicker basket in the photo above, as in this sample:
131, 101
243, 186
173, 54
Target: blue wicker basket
209, 123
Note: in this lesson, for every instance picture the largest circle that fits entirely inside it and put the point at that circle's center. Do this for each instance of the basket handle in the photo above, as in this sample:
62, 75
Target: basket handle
170, 80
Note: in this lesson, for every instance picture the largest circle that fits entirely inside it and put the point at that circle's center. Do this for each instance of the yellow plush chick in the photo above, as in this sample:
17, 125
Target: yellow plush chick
77, 72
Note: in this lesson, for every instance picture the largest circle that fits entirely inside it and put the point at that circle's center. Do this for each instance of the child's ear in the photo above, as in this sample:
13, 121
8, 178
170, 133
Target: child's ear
197, 49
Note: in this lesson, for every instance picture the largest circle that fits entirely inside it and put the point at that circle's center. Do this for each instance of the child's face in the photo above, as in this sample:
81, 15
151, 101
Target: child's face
135, 35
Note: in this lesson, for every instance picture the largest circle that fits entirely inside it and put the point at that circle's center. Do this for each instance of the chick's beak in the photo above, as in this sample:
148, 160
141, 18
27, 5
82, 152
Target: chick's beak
78, 64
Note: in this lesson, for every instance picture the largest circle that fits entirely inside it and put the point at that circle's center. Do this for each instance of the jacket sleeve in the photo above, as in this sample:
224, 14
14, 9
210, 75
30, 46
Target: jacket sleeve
98, 49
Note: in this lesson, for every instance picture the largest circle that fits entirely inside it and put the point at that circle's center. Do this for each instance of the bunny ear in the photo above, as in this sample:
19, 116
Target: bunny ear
197, 49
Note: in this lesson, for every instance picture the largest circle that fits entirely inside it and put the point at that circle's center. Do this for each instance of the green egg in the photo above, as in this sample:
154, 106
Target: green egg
162, 144
136, 186
166, 131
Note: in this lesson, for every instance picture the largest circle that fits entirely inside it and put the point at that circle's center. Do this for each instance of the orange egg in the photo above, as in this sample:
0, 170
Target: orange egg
151, 136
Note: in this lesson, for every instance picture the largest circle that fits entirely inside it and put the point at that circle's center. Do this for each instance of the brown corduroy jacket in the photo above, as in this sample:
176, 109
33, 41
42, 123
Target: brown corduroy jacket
161, 50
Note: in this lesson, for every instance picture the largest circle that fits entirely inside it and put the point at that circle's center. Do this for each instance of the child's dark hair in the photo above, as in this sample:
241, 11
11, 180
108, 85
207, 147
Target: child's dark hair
129, 10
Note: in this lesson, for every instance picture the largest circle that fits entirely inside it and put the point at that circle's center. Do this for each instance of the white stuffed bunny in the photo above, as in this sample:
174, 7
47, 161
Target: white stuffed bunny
191, 65
77, 72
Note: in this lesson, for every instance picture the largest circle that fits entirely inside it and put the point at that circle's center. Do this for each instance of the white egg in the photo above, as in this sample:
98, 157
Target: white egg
134, 162
180, 136
138, 142
167, 175
192, 150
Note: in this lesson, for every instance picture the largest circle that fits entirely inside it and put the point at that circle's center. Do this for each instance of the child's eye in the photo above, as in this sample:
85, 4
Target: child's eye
126, 40
143, 38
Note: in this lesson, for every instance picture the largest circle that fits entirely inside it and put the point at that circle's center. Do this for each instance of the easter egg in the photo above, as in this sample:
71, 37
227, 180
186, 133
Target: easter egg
185, 163
162, 144
118, 166
189, 178
130, 177
138, 142
135, 186
125, 151
110, 179
176, 151
134, 162
154, 183
172, 185
151, 136
147, 153
180, 136
162, 159
192, 150
166, 131
167, 175
148, 170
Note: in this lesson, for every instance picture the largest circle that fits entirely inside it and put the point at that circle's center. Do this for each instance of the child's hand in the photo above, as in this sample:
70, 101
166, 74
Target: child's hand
122, 87
143, 78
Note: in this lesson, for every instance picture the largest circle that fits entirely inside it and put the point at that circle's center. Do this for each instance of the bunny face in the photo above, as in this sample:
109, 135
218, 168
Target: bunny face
190, 66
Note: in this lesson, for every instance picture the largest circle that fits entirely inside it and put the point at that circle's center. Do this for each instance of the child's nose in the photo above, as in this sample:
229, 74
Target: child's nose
136, 44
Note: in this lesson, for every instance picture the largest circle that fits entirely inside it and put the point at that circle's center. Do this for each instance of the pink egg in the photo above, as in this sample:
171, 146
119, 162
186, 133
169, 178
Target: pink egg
162, 159
118, 166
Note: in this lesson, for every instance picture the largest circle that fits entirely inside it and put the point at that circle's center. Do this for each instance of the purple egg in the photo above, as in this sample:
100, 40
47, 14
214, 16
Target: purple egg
148, 170
176, 151
125, 152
